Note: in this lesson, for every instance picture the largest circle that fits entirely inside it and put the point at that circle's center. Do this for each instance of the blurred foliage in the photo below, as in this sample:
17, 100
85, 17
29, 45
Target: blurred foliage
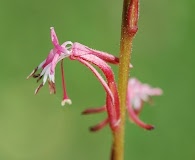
37, 127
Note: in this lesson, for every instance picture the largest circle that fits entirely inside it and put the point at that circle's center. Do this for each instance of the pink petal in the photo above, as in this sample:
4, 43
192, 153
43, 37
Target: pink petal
49, 58
55, 41
155, 92
80, 49
53, 63
134, 117
112, 108
99, 126
100, 78
54, 37
94, 110
137, 93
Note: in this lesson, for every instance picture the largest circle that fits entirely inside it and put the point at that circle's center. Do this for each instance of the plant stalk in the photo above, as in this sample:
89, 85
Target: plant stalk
128, 30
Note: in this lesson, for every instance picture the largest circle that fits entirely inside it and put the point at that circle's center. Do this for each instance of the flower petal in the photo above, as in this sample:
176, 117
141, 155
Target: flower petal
54, 37
94, 110
134, 117
99, 126
80, 49
100, 78
112, 107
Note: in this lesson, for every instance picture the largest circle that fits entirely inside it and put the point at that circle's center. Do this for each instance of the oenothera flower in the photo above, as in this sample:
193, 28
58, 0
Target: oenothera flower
88, 57
137, 94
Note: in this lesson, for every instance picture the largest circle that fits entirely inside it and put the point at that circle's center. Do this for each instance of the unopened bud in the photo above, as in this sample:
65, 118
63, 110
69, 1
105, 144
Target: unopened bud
132, 16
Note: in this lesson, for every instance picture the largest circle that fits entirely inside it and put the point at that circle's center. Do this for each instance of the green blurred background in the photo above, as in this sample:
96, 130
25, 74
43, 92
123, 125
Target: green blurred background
38, 128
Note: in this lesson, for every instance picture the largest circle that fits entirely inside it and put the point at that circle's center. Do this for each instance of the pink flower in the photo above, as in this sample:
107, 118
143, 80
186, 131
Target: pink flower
48, 66
88, 57
137, 94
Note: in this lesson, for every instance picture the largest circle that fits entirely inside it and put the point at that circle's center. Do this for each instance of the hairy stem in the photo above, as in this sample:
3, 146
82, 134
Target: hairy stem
128, 30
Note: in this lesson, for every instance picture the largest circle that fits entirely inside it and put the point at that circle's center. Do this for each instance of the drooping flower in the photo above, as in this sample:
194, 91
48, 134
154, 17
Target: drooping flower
47, 67
88, 57
137, 94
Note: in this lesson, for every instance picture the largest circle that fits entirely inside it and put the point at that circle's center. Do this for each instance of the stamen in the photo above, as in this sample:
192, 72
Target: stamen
66, 101
52, 87
32, 73
36, 75
65, 95
38, 88
39, 78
